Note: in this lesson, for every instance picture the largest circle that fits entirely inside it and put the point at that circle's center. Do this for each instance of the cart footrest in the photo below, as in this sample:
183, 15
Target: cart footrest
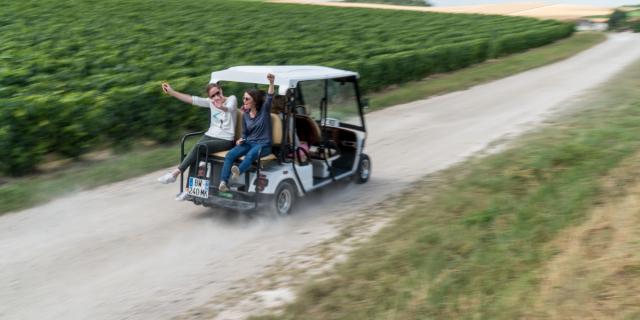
222, 202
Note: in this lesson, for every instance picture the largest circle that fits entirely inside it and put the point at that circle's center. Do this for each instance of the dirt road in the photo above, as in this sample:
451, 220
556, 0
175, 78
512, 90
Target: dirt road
129, 251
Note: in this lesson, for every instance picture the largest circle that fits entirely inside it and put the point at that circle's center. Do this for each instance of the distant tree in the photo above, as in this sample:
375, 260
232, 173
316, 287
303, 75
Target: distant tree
617, 20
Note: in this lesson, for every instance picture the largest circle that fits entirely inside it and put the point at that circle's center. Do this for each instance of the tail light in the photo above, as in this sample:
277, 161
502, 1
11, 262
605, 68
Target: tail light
261, 182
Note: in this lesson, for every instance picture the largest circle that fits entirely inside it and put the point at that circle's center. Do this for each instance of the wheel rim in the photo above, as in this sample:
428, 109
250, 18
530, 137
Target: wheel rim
364, 169
284, 201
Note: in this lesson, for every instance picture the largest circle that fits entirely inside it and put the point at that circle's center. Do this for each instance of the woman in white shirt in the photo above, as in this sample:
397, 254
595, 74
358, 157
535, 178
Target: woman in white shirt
220, 135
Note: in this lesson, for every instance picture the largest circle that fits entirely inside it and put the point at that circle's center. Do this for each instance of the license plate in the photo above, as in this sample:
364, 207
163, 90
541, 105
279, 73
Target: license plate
198, 187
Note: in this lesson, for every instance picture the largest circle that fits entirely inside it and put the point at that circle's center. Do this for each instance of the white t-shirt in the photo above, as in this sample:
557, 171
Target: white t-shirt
223, 124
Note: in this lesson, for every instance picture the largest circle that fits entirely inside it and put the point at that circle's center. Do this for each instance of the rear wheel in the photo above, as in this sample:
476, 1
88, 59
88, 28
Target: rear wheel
364, 169
283, 198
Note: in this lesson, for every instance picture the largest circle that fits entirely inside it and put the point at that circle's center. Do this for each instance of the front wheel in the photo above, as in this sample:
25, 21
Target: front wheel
283, 198
364, 169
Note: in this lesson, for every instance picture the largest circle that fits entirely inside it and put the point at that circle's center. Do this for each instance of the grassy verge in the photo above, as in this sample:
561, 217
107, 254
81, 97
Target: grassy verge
25, 192
475, 247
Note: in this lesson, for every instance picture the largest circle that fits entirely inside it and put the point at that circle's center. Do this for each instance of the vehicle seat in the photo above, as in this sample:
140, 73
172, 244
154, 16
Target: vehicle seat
276, 136
237, 134
308, 130
239, 125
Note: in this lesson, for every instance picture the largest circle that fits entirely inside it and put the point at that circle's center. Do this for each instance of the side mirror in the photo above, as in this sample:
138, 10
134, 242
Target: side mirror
365, 103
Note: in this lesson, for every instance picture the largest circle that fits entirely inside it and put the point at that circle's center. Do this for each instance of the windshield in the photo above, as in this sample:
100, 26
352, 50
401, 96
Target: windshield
341, 99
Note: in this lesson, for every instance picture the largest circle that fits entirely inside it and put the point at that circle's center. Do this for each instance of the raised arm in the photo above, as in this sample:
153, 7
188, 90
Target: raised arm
178, 95
271, 78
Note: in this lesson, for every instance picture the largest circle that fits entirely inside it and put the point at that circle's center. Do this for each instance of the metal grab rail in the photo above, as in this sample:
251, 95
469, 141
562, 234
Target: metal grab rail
206, 157
182, 155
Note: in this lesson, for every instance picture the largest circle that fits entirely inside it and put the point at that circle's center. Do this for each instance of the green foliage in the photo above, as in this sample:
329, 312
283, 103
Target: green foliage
517, 42
635, 25
67, 86
626, 18
25, 192
617, 20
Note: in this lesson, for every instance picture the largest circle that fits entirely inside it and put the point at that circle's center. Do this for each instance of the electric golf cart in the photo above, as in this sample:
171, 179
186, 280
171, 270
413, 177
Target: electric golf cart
318, 138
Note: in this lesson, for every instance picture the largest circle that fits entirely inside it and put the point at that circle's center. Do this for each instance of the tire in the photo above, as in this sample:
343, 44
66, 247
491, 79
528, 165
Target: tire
284, 198
364, 169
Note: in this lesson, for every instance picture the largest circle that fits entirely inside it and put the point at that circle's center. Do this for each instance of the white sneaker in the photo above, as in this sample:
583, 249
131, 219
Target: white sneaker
223, 187
235, 172
182, 196
167, 178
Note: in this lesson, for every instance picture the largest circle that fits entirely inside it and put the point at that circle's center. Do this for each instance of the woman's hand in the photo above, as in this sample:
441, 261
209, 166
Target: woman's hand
166, 88
271, 79
240, 141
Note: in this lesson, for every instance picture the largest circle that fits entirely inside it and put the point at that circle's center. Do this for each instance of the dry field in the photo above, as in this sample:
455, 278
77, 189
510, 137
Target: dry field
596, 272
536, 10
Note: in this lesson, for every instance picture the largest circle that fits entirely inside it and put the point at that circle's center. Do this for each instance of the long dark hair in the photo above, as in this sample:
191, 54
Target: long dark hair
257, 96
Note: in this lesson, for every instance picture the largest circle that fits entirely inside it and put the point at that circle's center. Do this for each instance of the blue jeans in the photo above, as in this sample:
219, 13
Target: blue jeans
251, 151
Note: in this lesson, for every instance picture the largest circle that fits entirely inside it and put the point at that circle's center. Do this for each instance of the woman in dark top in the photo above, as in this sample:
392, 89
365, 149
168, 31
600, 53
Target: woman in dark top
256, 134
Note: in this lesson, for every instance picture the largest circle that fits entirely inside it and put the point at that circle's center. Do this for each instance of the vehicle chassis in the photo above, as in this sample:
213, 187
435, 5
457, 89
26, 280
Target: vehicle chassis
294, 172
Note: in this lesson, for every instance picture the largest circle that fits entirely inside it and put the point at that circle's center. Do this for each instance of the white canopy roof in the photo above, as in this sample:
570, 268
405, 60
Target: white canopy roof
285, 76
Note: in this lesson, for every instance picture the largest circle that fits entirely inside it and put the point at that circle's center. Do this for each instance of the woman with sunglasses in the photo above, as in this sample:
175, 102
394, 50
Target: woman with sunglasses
256, 133
221, 131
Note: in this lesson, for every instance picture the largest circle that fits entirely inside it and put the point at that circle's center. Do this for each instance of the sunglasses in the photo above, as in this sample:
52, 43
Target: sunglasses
215, 94
246, 98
